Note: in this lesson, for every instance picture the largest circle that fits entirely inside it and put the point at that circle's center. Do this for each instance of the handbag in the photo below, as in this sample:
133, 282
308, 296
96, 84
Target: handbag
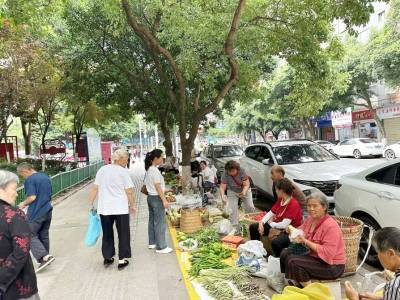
143, 190
94, 229
274, 233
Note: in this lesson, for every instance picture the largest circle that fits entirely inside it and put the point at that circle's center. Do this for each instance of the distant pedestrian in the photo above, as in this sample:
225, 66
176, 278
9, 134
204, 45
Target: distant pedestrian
38, 191
277, 174
237, 184
156, 201
113, 188
137, 177
17, 275
208, 175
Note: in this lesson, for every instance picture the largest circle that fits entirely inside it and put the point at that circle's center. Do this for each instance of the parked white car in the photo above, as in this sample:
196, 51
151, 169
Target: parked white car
326, 144
372, 196
358, 148
308, 164
392, 151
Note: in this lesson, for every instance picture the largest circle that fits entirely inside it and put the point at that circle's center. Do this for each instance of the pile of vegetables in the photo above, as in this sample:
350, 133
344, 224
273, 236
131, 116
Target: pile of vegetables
206, 236
174, 215
208, 257
230, 283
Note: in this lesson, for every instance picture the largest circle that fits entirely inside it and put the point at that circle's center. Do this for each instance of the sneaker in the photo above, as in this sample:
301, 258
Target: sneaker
152, 246
47, 260
165, 250
122, 264
108, 261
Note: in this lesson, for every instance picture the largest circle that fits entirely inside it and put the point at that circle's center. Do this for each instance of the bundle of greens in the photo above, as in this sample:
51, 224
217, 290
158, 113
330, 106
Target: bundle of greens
206, 236
230, 283
208, 257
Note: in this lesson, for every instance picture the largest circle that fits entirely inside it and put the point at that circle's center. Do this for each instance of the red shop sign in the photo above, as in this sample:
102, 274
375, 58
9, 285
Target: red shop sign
362, 115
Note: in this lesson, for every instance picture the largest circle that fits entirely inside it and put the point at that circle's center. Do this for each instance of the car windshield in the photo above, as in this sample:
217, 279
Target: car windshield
367, 141
227, 151
302, 153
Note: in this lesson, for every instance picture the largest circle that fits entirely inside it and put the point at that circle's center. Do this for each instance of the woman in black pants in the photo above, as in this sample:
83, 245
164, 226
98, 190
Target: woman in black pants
286, 211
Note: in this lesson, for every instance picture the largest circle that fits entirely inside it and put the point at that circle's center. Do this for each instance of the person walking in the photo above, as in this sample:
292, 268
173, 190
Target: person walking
113, 189
17, 275
38, 192
137, 176
156, 201
237, 184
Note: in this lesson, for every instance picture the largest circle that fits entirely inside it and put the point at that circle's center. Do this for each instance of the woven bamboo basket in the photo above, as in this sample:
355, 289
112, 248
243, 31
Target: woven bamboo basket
352, 230
190, 221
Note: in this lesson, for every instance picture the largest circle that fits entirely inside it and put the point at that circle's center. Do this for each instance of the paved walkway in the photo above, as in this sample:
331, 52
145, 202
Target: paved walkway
78, 272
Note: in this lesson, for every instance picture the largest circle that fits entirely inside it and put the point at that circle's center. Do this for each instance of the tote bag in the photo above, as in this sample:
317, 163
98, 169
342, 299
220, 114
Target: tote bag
94, 229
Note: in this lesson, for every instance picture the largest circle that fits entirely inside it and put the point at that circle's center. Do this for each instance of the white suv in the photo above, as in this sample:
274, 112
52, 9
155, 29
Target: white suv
308, 164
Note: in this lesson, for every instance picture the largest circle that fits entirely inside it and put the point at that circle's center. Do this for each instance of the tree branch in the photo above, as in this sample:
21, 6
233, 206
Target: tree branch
228, 49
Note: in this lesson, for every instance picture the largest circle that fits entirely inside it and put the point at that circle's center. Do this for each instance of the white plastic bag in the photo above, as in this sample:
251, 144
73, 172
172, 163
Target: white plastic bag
225, 227
252, 249
274, 265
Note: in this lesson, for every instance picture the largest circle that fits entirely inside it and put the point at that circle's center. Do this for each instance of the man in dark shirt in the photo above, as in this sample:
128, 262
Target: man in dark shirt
38, 192
277, 174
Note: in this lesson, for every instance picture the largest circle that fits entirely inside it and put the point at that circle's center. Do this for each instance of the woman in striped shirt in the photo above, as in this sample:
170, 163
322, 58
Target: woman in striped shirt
387, 243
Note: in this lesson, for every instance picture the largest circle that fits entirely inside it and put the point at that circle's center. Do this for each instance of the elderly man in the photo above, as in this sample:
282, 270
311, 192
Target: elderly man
113, 187
38, 192
277, 174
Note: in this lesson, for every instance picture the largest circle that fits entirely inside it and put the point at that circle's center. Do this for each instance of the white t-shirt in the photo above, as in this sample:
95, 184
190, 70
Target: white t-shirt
112, 181
208, 175
153, 176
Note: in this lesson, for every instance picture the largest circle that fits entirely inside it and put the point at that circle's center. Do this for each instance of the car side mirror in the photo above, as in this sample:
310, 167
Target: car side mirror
268, 161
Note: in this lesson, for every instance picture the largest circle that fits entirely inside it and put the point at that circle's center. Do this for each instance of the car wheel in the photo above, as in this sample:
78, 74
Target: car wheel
389, 154
372, 258
357, 154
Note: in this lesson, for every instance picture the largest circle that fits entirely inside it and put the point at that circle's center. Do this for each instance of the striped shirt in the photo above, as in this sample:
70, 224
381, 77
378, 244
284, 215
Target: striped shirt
392, 288
137, 177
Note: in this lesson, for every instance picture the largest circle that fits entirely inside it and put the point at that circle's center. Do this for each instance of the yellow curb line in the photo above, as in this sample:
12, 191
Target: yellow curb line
182, 258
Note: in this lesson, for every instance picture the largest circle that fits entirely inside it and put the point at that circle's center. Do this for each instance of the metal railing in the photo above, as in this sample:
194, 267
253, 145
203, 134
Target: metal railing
65, 180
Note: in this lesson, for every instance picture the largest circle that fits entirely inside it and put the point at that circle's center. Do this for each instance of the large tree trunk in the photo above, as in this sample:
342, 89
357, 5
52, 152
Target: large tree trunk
27, 134
187, 148
166, 131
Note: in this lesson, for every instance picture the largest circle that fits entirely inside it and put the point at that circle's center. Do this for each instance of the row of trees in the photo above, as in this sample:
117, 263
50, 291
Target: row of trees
177, 61
353, 68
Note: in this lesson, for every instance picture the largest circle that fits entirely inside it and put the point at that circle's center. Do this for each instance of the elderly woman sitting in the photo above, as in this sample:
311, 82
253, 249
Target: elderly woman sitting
387, 242
323, 237
286, 211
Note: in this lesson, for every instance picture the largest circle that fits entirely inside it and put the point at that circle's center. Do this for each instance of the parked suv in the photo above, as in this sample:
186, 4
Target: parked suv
219, 155
308, 164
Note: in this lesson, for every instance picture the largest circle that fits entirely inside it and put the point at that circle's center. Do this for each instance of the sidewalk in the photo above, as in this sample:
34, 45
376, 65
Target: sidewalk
78, 272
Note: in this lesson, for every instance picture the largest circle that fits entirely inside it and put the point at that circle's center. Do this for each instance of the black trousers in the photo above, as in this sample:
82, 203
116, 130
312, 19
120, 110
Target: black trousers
124, 236
278, 244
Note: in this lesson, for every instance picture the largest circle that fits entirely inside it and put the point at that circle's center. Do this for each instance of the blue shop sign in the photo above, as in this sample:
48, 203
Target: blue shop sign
324, 121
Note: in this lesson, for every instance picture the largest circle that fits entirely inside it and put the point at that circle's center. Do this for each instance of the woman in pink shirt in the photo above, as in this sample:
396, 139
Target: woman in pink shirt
324, 240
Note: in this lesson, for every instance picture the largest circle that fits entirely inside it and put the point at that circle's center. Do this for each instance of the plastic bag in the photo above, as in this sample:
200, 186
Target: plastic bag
253, 264
94, 229
225, 227
252, 249
274, 265
276, 282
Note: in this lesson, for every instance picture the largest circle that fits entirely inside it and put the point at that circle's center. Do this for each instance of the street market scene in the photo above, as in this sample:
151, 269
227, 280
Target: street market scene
201, 150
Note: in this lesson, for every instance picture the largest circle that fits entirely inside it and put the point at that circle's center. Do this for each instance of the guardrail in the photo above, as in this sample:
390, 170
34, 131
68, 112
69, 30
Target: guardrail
65, 180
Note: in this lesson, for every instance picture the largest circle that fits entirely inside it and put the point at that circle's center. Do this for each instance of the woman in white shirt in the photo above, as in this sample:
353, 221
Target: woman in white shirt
114, 189
208, 175
156, 201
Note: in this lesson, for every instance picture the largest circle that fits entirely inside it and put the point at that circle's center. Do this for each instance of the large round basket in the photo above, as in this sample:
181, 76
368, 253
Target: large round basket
190, 221
352, 230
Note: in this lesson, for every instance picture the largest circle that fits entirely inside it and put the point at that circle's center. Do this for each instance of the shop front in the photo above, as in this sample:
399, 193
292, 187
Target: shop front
325, 129
391, 121
365, 125
342, 121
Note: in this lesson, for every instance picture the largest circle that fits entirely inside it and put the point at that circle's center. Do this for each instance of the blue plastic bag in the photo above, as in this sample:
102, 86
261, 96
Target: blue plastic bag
94, 229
